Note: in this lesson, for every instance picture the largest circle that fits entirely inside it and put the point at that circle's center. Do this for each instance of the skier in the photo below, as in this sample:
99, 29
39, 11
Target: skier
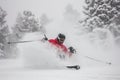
58, 43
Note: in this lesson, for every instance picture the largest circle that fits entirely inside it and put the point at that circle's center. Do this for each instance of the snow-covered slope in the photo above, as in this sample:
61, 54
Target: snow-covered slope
38, 61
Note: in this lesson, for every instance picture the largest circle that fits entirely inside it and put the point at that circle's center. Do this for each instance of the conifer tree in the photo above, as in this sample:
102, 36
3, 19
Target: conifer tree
102, 12
4, 31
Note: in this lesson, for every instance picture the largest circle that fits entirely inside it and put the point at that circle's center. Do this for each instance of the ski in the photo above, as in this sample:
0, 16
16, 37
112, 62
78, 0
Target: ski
77, 67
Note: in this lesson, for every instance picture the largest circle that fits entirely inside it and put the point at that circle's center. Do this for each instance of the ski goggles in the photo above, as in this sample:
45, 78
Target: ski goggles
61, 40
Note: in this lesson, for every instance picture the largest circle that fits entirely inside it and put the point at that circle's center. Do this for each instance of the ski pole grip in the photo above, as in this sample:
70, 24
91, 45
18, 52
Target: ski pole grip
8, 42
45, 37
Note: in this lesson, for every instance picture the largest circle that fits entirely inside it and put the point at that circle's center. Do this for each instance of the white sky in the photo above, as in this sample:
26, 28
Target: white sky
53, 8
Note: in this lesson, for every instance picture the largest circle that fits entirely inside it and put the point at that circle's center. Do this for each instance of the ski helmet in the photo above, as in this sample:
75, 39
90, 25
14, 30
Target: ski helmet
61, 38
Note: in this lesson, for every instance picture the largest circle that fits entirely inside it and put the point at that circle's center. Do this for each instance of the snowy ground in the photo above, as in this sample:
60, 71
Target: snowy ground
37, 64
11, 70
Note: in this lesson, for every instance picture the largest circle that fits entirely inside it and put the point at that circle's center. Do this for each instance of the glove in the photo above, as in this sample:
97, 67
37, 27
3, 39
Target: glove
44, 39
72, 50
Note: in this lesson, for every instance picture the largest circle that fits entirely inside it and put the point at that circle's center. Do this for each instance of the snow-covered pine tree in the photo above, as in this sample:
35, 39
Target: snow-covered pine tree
104, 12
4, 32
25, 22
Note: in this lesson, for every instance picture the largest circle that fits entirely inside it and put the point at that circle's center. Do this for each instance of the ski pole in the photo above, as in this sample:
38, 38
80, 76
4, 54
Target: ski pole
109, 63
26, 41
21, 41
45, 36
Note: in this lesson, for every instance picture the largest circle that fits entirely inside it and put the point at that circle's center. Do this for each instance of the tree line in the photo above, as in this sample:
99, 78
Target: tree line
25, 22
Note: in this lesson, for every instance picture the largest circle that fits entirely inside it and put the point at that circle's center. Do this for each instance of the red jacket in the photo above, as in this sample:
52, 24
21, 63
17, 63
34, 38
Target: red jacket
60, 46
